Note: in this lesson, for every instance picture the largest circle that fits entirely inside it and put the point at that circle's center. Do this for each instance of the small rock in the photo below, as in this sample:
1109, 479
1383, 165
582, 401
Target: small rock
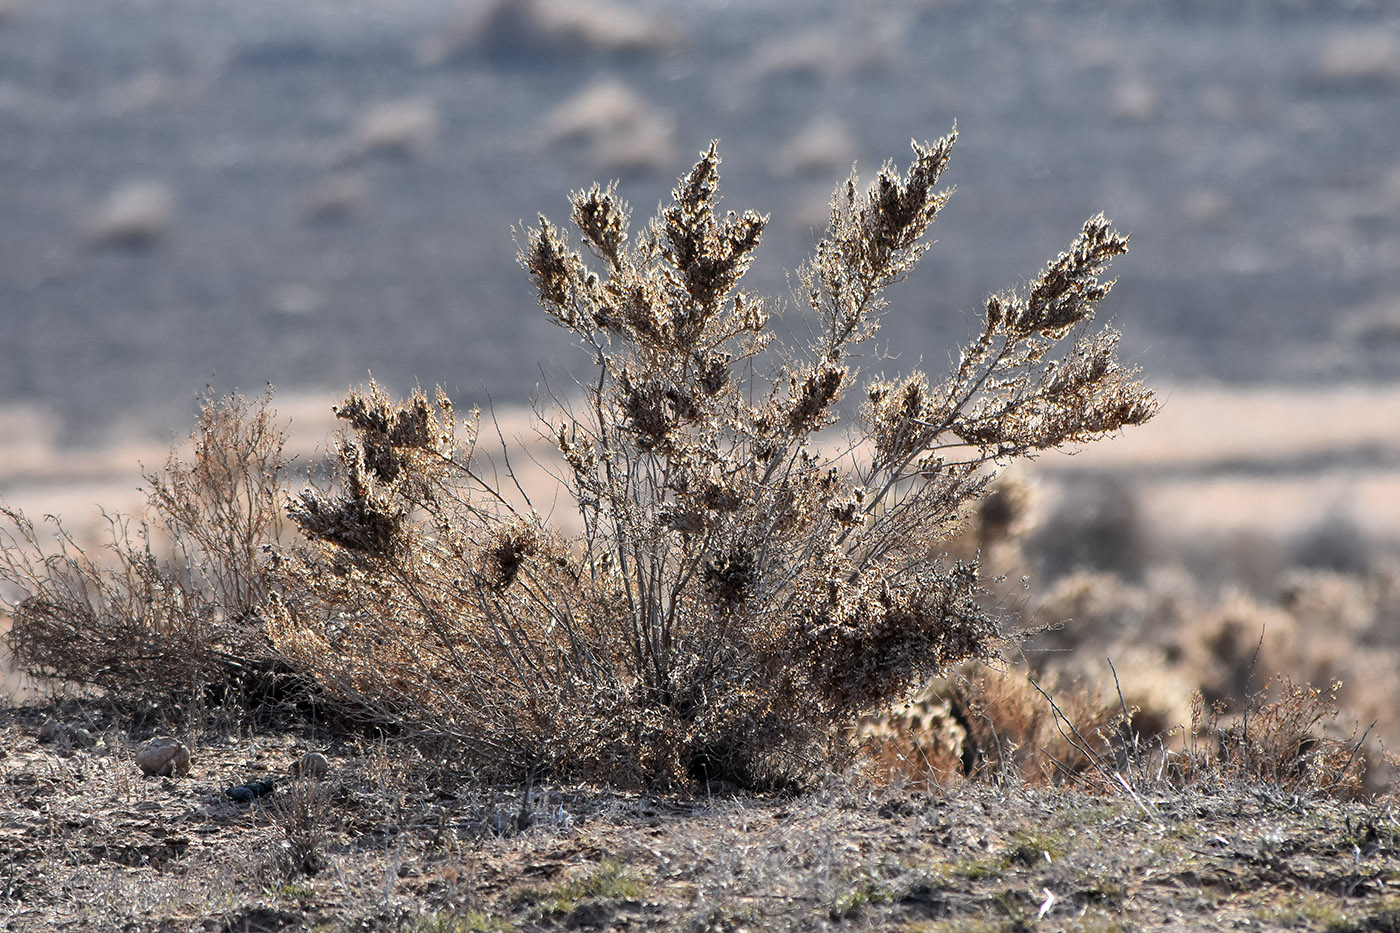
312, 765
164, 757
66, 737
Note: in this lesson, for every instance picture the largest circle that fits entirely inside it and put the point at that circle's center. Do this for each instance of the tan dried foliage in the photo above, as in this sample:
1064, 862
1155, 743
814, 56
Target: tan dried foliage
1004, 725
739, 593
1282, 739
171, 602
1000, 724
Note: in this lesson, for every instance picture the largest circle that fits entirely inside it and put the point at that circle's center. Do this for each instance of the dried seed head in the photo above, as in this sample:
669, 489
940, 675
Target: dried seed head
602, 218
502, 559
643, 404
811, 395
554, 267
730, 577
896, 414
712, 372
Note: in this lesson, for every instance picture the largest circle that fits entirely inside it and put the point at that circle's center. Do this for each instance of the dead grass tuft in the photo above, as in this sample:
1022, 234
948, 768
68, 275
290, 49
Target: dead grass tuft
171, 603
1279, 740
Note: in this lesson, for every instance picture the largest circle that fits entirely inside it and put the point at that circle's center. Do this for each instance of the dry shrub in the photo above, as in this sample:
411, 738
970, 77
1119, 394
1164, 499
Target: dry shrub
337, 198
997, 724
1001, 725
1175, 639
171, 603
1335, 543
823, 144
828, 51
303, 809
620, 129
1283, 739
552, 28
739, 594
1096, 527
1134, 100
1185, 673
1322, 627
397, 127
1359, 58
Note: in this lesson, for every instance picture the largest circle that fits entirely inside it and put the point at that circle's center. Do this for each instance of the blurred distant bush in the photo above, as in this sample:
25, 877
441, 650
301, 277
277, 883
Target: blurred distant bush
136, 215
1096, 527
619, 128
397, 127
549, 27
1335, 543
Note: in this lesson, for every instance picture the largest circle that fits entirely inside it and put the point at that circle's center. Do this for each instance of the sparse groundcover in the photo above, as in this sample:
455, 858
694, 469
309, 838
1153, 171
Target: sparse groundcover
86, 842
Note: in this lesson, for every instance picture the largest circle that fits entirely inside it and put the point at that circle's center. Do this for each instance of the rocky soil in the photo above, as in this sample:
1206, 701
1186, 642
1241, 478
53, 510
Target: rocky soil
387, 841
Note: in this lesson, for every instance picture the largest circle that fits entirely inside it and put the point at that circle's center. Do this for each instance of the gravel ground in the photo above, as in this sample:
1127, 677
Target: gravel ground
386, 841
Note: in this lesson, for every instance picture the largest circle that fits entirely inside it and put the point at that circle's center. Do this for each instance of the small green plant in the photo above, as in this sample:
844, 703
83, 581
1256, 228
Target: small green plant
748, 581
607, 881
864, 890
293, 892
1033, 848
469, 921
974, 868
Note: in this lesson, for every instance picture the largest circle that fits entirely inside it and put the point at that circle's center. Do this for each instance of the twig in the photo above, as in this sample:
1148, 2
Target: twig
1082, 745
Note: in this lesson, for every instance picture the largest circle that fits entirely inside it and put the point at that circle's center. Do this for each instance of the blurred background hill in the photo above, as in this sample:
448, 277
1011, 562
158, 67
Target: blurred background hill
300, 194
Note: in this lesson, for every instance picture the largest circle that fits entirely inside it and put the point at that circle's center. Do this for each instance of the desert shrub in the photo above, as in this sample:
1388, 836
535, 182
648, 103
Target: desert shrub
1284, 738
747, 582
1002, 723
1095, 528
550, 28
1335, 543
137, 215
170, 604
